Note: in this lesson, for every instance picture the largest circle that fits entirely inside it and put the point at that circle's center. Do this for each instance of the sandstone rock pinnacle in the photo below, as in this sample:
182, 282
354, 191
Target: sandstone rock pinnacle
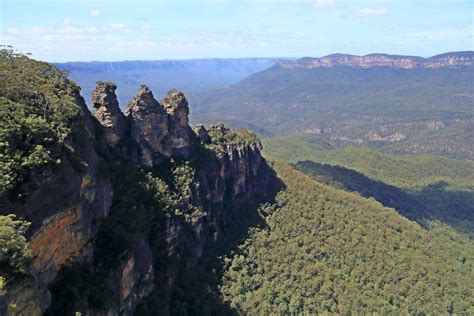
108, 111
149, 127
177, 110
202, 134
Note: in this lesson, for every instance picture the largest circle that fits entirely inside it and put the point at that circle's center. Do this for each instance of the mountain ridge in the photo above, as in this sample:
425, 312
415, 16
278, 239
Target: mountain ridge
402, 110
163, 75
450, 59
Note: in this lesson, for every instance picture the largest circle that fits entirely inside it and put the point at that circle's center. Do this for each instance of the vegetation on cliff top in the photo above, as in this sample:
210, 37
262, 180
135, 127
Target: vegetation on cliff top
36, 106
223, 138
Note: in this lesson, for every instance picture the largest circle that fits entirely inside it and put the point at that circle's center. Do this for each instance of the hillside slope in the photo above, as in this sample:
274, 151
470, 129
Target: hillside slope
411, 109
425, 188
328, 251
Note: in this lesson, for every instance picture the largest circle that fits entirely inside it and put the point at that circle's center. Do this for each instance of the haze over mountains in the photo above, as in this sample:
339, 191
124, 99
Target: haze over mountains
162, 75
396, 103
400, 103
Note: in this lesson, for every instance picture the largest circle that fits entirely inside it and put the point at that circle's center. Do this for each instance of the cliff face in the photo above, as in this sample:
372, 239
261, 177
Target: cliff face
65, 204
381, 60
68, 203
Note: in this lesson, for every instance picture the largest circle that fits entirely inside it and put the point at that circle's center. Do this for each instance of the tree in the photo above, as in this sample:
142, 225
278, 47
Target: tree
15, 252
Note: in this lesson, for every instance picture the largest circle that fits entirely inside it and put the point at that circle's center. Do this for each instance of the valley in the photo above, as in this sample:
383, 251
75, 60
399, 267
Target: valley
397, 109
354, 196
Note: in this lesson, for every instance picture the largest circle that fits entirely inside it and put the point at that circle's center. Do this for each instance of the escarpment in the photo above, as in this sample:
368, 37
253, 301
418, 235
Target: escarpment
129, 205
459, 59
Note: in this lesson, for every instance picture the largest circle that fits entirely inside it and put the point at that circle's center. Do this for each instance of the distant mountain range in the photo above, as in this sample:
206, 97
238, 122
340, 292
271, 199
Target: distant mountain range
399, 103
454, 59
162, 75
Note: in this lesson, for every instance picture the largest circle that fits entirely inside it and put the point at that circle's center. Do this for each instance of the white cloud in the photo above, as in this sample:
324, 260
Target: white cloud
324, 4
67, 20
368, 12
94, 12
67, 30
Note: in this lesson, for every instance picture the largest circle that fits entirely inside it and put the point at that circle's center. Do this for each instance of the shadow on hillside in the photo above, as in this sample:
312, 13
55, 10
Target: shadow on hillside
198, 292
433, 202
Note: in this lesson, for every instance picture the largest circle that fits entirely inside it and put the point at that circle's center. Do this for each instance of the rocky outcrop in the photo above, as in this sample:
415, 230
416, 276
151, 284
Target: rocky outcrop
374, 136
161, 130
68, 202
108, 112
230, 184
202, 134
149, 127
457, 59
182, 136
435, 125
26, 297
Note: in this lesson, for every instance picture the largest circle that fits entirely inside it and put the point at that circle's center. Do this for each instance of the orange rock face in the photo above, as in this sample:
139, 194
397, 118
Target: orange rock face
58, 241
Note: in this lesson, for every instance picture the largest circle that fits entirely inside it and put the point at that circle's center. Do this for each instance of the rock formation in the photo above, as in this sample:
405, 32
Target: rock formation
202, 134
68, 204
161, 130
108, 112
65, 206
149, 127
182, 136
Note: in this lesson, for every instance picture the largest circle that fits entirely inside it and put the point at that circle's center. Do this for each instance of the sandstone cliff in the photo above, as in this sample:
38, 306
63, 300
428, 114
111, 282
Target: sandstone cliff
382, 60
191, 187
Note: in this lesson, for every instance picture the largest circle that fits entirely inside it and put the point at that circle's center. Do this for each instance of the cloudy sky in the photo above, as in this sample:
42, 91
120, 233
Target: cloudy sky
71, 30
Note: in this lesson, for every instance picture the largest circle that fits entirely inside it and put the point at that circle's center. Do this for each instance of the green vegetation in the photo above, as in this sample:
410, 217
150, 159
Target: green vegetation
143, 201
315, 249
407, 171
345, 104
328, 251
36, 106
426, 188
222, 138
15, 253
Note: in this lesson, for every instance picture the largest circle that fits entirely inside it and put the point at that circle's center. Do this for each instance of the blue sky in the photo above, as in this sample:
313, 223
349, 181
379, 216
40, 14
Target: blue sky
71, 30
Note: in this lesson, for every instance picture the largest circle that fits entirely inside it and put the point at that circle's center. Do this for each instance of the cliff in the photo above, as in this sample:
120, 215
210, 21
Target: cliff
124, 197
456, 59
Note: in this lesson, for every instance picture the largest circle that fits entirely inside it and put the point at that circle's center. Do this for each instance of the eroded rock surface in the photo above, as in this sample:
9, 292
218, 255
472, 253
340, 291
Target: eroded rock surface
381, 60
108, 112
67, 203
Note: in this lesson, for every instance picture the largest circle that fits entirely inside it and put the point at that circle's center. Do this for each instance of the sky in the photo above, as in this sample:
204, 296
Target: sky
105, 30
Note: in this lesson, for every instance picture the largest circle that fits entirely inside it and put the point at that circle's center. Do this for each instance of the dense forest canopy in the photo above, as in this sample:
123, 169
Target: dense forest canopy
327, 251
35, 112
